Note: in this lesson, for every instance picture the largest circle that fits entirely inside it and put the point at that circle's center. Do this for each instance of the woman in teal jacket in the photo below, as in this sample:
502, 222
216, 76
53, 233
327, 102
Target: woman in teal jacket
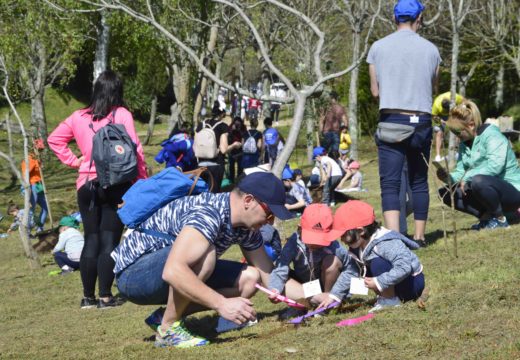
487, 176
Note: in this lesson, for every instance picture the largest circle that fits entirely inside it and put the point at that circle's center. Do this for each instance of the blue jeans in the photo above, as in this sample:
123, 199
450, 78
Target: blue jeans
332, 143
329, 194
39, 198
142, 282
408, 289
416, 151
62, 259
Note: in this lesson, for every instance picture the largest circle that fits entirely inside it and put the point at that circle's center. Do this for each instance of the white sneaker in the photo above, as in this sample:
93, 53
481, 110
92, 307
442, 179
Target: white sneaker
439, 158
332, 204
383, 303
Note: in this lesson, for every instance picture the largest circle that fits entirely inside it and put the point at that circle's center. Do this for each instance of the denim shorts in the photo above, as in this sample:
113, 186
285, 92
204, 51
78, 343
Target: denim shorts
142, 282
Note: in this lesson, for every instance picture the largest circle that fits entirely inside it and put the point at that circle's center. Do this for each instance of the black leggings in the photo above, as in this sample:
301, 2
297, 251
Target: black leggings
484, 195
103, 230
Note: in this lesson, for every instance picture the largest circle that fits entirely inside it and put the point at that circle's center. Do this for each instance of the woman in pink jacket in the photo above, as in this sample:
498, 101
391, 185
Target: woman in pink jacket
98, 206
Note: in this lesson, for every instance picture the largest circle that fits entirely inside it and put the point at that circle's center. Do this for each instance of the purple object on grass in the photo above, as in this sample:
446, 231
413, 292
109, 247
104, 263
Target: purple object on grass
299, 319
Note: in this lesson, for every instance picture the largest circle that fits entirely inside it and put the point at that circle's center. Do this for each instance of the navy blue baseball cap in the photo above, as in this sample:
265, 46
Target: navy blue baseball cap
268, 189
406, 10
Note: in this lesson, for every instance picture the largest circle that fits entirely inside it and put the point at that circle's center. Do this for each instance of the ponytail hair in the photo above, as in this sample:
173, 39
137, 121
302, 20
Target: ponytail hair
462, 114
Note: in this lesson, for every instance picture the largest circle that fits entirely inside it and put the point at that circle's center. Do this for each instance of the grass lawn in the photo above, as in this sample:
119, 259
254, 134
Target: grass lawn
471, 312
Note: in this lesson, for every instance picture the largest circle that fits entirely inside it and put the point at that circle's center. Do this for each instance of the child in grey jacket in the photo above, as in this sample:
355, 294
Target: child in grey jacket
315, 255
390, 268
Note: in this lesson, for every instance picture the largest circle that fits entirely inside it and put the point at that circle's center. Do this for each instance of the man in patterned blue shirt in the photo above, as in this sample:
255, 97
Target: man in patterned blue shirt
172, 258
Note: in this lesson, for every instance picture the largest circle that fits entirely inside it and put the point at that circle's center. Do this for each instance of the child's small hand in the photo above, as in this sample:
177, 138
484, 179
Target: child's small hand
371, 284
324, 300
273, 298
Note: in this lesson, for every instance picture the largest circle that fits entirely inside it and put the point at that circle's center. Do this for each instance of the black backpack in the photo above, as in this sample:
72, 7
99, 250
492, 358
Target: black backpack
114, 153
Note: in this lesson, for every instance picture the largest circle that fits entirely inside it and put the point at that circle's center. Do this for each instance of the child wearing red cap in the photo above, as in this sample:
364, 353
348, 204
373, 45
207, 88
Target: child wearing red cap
315, 255
389, 267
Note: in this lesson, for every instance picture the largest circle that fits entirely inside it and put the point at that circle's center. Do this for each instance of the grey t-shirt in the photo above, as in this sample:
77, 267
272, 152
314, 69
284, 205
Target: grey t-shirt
405, 66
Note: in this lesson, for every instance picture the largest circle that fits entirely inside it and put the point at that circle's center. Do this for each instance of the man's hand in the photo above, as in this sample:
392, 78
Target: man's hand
371, 284
237, 309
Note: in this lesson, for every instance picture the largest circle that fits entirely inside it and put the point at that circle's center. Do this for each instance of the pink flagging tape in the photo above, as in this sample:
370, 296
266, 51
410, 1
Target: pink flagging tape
355, 321
285, 299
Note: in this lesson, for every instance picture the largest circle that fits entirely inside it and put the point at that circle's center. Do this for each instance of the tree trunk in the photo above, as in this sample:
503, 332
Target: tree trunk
452, 150
181, 80
283, 157
175, 114
103, 40
204, 83
309, 121
499, 94
352, 99
216, 88
151, 122
38, 121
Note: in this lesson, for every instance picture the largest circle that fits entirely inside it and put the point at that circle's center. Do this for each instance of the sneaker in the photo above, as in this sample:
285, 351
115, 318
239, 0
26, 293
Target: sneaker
291, 313
155, 319
421, 242
88, 303
480, 225
383, 303
177, 335
66, 271
112, 303
495, 223
224, 325
439, 158
332, 204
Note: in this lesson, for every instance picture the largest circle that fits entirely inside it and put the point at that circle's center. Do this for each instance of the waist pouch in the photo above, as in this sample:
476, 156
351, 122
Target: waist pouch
393, 133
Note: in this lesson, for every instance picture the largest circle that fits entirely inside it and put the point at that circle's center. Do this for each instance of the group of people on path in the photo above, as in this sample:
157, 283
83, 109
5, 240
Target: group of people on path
184, 270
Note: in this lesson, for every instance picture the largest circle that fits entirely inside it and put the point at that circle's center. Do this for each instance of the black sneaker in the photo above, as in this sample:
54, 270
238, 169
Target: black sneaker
113, 302
88, 303
421, 242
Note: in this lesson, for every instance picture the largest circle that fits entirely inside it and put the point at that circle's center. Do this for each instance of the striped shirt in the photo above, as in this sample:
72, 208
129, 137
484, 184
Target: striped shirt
208, 213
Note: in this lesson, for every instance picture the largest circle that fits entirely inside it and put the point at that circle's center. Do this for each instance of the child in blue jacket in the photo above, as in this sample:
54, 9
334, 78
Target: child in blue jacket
390, 268
315, 255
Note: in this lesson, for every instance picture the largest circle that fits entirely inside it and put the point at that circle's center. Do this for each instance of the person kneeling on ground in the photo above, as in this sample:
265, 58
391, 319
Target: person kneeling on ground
173, 257
297, 196
392, 270
67, 251
487, 177
330, 175
356, 179
316, 256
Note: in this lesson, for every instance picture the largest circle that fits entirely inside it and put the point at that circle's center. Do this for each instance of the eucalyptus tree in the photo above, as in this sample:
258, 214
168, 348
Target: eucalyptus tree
40, 47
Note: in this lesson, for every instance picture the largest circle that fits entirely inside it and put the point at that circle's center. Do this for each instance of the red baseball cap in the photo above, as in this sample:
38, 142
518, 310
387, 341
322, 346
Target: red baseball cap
316, 223
352, 215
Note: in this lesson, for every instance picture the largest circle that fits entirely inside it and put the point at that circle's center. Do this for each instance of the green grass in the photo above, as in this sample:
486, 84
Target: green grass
472, 310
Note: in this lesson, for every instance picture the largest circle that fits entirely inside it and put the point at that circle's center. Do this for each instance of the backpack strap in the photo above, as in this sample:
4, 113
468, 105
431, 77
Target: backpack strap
216, 124
196, 175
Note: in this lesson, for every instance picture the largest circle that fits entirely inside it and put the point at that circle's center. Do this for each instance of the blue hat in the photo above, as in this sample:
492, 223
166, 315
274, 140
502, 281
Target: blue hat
406, 10
287, 173
318, 151
268, 189
297, 172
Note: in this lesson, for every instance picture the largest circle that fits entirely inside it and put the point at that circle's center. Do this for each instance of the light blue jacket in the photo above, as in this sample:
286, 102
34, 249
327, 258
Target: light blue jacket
395, 248
490, 154
300, 256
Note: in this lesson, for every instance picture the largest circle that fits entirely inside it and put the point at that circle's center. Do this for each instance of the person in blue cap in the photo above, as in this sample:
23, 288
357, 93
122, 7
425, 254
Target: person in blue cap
173, 257
404, 68
297, 195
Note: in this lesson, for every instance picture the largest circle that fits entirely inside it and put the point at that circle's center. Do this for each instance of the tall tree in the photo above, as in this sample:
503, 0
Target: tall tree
39, 46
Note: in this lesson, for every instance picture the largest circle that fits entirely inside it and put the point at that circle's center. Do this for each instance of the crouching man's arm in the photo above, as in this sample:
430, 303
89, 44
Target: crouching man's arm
191, 261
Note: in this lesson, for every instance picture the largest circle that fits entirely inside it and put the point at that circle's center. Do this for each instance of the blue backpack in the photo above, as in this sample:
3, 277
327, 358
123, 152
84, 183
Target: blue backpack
177, 151
147, 196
